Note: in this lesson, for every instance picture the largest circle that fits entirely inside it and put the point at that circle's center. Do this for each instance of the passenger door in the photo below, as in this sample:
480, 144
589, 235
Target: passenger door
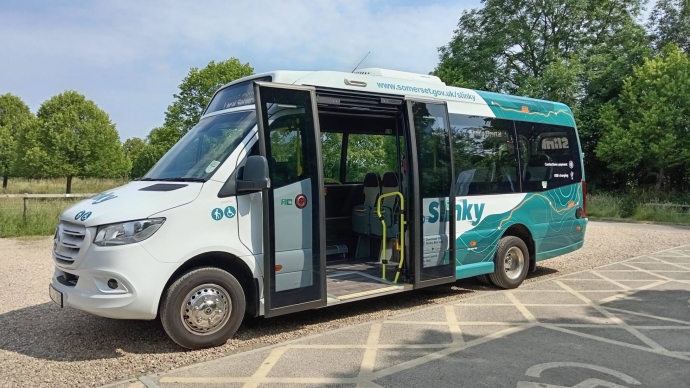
294, 246
432, 191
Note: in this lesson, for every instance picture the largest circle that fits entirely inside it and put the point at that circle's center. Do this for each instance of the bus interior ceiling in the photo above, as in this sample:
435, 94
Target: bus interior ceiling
362, 142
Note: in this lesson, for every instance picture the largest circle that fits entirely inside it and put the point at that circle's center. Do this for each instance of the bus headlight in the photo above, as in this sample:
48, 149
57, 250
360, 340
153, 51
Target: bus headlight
127, 232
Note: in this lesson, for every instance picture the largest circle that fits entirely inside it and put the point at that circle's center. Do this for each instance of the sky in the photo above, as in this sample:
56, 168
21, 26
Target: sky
130, 56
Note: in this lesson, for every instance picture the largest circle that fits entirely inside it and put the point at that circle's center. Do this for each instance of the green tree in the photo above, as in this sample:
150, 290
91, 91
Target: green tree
15, 117
331, 146
72, 137
669, 22
196, 91
367, 153
146, 159
608, 66
132, 147
158, 142
531, 47
647, 129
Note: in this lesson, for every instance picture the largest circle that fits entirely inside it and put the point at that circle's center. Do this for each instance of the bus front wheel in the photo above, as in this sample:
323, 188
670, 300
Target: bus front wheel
203, 308
511, 263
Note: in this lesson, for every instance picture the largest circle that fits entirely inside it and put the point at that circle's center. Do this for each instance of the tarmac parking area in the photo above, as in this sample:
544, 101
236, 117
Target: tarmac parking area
625, 324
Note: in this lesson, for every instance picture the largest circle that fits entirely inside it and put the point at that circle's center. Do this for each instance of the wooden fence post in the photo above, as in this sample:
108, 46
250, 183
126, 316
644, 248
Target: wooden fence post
26, 207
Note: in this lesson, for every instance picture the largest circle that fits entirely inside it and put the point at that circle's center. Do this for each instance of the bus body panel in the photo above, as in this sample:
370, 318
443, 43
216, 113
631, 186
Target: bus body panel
194, 225
549, 216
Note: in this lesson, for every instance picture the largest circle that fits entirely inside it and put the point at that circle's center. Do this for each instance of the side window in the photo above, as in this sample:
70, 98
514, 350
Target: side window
370, 153
331, 148
287, 150
484, 155
549, 156
433, 149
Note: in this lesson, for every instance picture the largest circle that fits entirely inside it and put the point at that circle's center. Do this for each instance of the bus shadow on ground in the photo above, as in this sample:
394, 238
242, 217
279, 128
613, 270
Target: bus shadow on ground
47, 332
541, 272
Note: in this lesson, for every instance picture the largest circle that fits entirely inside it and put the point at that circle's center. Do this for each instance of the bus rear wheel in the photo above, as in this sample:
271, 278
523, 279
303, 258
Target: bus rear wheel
203, 308
511, 263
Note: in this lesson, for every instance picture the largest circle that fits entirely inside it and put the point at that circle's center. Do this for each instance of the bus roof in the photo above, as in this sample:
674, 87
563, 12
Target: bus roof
460, 100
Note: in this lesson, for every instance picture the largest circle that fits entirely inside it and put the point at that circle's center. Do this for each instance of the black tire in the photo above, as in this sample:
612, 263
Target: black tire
500, 277
177, 295
484, 279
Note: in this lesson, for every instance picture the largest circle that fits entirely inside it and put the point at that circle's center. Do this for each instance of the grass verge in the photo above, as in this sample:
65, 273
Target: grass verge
58, 186
41, 220
607, 206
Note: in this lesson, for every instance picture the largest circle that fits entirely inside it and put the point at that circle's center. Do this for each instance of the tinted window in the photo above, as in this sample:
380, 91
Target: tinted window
287, 150
549, 156
237, 95
370, 153
484, 155
433, 150
331, 148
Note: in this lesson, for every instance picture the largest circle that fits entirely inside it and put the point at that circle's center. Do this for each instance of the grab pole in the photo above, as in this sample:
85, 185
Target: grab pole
384, 261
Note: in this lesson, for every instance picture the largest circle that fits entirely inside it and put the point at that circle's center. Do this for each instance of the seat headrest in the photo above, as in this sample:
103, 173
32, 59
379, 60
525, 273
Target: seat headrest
372, 179
390, 179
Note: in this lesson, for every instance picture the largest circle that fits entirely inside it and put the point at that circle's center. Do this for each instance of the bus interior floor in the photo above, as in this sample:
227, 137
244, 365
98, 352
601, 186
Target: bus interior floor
348, 280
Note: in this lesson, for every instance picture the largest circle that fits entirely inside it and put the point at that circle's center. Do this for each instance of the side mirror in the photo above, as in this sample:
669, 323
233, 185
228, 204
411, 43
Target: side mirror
254, 175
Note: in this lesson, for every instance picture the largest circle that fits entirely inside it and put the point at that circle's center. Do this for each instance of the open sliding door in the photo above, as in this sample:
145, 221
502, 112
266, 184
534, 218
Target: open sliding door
432, 226
294, 260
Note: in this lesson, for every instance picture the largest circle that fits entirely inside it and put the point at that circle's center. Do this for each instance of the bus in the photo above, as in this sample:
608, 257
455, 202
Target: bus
300, 190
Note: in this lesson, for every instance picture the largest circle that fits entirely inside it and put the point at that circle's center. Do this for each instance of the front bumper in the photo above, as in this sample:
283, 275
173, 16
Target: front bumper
140, 282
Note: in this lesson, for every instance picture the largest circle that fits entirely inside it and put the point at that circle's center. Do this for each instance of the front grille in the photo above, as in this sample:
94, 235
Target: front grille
69, 239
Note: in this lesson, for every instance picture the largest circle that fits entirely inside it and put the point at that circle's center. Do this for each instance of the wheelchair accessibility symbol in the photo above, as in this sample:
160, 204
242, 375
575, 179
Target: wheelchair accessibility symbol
230, 211
537, 370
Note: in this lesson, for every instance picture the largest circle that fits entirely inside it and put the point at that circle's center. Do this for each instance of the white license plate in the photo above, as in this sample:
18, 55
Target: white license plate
55, 295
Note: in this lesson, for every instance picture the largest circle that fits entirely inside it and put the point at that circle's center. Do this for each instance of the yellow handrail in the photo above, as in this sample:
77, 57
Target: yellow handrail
402, 232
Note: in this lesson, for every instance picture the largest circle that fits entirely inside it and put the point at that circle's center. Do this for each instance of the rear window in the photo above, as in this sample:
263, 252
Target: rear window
370, 153
237, 95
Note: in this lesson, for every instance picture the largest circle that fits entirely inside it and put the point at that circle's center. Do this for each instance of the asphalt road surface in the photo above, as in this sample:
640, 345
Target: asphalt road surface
621, 325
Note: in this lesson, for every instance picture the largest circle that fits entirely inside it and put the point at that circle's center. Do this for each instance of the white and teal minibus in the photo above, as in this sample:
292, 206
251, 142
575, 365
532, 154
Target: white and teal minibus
301, 190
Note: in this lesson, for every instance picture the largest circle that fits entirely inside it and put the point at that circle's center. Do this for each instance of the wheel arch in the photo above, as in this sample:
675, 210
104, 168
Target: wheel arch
227, 262
522, 232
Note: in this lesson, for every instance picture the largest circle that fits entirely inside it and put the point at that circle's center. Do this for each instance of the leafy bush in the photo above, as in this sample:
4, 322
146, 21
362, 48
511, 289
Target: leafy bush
628, 206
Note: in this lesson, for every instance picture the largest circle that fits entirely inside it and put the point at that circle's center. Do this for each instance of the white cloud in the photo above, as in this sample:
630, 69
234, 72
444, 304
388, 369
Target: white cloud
129, 56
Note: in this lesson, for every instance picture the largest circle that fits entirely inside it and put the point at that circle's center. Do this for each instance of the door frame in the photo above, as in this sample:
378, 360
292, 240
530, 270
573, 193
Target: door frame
269, 211
416, 227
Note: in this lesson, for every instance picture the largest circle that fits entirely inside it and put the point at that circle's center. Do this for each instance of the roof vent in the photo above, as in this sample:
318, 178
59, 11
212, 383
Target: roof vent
431, 79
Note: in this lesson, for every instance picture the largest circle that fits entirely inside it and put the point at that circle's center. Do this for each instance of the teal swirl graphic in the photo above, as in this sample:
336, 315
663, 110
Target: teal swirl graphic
528, 109
549, 216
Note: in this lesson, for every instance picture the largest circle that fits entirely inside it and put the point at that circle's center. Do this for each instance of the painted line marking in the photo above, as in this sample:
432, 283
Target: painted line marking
369, 357
525, 312
453, 326
614, 318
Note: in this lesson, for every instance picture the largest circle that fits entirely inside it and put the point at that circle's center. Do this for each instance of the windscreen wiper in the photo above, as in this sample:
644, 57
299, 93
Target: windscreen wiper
175, 179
